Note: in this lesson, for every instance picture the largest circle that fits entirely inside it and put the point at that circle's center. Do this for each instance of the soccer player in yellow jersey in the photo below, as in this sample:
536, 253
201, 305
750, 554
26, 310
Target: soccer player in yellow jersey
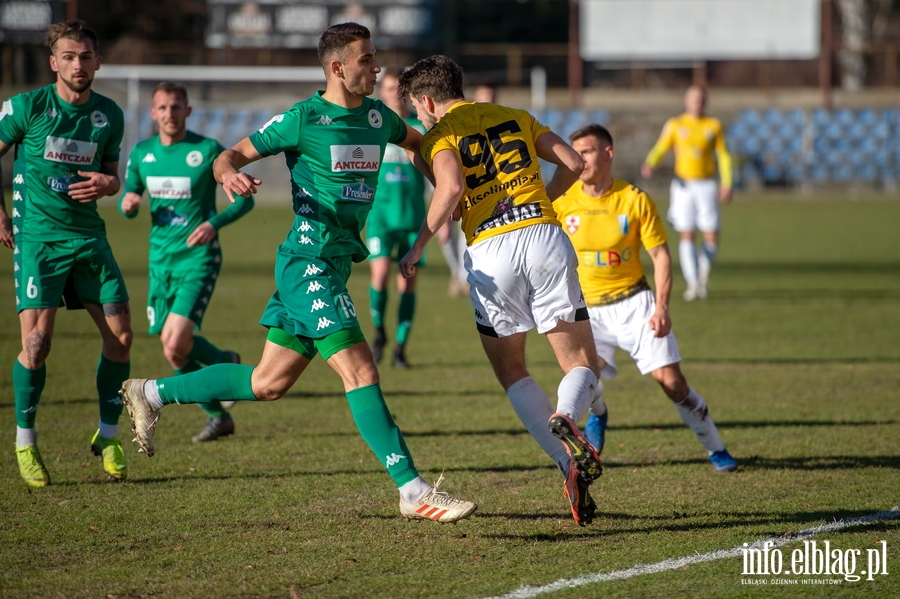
522, 267
608, 220
695, 138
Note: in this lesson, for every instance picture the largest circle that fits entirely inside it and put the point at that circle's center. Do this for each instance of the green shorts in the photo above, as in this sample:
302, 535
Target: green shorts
383, 243
186, 293
311, 299
83, 271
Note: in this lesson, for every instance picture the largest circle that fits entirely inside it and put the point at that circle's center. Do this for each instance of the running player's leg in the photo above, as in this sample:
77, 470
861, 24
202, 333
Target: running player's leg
29, 374
350, 357
683, 216
706, 260
380, 246
693, 410
406, 309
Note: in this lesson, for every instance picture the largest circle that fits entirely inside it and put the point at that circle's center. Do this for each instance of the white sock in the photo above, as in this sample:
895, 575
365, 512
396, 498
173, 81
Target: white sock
577, 391
695, 414
533, 408
152, 394
705, 261
414, 489
598, 407
687, 255
28, 436
109, 431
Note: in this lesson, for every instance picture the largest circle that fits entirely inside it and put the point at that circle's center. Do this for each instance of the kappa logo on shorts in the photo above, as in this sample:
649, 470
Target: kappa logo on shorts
304, 240
324, 323
17, 197
305, 226
314, 286
318, 305
312, 269
305, 209
18, 179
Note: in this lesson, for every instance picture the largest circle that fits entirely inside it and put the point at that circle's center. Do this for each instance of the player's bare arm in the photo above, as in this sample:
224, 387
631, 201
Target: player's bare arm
130, 202
104, 182
226, 169
725, 195
552, 148
6, 234
662, 281
411, 146
448, 190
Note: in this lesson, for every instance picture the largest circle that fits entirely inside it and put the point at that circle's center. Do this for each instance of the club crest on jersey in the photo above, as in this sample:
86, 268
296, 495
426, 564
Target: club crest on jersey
98, 119
69, 151
275, 119
358, 192
375, 119
359, 159
572, 223
194, 158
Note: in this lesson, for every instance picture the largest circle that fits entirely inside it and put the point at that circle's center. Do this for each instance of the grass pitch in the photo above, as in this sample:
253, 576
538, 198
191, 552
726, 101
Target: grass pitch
796, 352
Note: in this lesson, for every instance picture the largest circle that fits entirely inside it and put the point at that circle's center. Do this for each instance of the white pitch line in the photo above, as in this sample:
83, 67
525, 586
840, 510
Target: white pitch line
526, 592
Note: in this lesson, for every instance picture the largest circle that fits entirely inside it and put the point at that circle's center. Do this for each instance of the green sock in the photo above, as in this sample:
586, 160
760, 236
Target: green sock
375, 424
109, 380
220, 382
405, 316
27, 385
207, 353
213, 408
377, 303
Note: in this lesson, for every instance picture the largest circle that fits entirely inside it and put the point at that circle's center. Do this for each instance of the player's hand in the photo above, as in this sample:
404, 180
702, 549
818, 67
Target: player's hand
660, 323
97, 185
130, 203
408, 262
457, 213
646, 171
6, 234
203, 234
725, 195
240, 184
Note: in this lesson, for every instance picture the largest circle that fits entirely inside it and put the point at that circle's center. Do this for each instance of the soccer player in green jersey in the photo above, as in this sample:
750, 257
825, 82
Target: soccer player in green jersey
175, 169
333, 145
67, 157
394, 222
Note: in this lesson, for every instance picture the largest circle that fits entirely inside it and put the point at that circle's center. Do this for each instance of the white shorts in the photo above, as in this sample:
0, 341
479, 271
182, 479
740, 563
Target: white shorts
626, 325
524, 279
694, 205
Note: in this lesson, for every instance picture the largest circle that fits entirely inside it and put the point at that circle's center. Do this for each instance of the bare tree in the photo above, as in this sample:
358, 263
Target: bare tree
863, 22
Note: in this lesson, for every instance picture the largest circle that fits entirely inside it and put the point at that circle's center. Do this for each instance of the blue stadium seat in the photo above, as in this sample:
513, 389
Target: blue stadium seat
750, 117
750, 145
867, 173
601, 117
237, 128
795, 117
197, 119
795, 173
574, 120
843, 173
215, 123
882, 129
820, 173
821, 117
773, 144
772, 173
554, 119
773, 117
844, 116
795, 144
834, 130
857, 131
891, 115
867, 117
146, 126
260, 118
883, 157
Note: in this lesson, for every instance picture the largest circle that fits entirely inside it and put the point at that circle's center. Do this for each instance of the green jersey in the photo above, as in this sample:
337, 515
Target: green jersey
400, 201
54, 140
334, 155
178, 178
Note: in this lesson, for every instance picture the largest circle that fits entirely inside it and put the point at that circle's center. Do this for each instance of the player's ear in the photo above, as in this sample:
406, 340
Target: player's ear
53, 66
337, 69
188, 111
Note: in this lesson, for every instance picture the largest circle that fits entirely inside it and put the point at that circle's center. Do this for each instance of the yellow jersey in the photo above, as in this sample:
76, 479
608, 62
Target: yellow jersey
495, 146
607, 233
695, 141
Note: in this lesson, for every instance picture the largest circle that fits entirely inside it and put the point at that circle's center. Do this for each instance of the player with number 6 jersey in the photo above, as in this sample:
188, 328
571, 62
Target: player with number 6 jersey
67, 154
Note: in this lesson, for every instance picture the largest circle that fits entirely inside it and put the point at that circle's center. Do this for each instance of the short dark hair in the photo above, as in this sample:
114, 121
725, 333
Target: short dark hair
436, 76
598, 131
339, 36
171, 87
76, 30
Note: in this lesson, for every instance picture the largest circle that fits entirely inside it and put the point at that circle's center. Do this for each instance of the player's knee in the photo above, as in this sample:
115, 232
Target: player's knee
270, 391
674, 385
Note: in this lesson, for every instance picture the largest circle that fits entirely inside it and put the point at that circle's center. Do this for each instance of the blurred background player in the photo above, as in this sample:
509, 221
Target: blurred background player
333, 144
175, 169
693, 195
397, 213
608, 220
67, 158
521, 266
